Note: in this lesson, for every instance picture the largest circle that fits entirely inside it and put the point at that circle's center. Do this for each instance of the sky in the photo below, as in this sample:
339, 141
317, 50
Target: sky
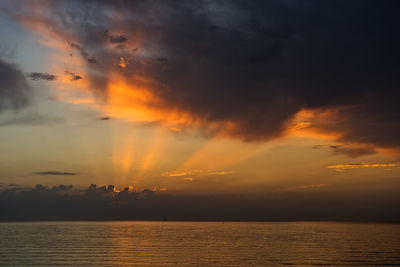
293, 99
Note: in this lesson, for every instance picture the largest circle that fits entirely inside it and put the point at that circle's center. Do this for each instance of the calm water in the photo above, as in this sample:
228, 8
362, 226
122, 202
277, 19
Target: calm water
198, 244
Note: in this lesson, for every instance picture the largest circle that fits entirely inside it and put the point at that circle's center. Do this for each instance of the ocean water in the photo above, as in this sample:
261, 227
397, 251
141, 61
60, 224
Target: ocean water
198, 244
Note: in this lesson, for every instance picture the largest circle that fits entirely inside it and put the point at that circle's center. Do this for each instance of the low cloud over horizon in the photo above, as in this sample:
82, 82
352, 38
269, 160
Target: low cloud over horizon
107, 203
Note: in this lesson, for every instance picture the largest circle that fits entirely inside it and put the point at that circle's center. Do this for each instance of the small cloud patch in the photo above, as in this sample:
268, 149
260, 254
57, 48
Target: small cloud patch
345, 167
74, 77
117, 39
303, 187
39, 76
197, 173
104, 118
55, 173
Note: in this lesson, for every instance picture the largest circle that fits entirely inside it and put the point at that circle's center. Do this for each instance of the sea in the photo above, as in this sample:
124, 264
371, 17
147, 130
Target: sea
165, 243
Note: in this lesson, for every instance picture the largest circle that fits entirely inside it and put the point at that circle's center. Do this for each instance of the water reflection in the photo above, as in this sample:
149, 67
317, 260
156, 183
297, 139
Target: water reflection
198, 243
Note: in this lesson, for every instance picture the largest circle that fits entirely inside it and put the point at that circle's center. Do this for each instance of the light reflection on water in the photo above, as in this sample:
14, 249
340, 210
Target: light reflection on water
198, 244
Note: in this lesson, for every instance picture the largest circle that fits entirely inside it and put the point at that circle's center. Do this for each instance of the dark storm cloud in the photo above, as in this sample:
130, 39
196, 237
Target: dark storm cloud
375, 121
253, 65
14, 90
55, 173
106, 203
37, 76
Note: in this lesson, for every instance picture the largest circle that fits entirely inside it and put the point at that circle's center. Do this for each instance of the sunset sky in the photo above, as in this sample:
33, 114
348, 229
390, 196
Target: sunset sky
201, 97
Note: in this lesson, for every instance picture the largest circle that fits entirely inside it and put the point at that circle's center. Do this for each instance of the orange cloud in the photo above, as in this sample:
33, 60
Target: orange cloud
197, 172
344, 167
123, 62
302, 125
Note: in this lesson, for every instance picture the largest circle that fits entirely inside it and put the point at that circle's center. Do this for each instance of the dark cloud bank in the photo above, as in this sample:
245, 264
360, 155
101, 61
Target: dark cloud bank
104, 203
254, 64
14, 90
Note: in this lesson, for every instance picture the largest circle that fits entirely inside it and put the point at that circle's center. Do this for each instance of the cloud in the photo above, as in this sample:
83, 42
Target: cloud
368, 125
15, 93
344, 167
301, 125
55, 173
73, 76
303, 187
108, 203
243, 69
121, 46
30, 120
352, 151
197, 173
37, 76
82, 51
104, 118
117, 39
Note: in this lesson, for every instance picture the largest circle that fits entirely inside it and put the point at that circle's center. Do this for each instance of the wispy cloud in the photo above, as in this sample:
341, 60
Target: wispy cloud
344, 167
301, 125
84, 53
352, 151
197, 173
31, 120
301, 187
37, 76
55, 173
106, 118
74, 77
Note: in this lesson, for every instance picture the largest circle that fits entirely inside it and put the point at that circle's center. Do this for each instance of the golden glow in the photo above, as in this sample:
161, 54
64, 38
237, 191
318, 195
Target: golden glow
225, 154
152, 154
134, 100
175, 129
302, 125
129, 101
80, 101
